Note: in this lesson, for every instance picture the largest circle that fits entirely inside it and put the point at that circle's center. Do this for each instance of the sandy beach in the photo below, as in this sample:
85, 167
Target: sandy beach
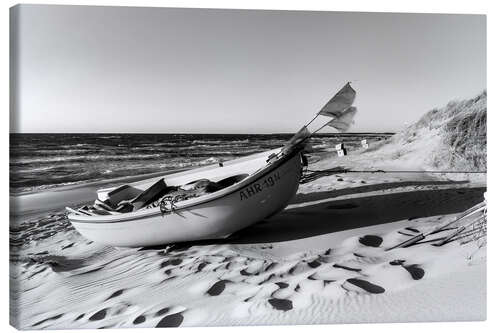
193, 167
321, 260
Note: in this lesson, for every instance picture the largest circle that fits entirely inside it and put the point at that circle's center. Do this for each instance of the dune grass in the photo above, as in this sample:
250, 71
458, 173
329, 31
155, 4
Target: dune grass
457, 132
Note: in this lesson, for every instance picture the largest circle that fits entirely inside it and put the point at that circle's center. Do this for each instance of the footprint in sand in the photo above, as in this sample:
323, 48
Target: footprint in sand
415, 270
99, 315
282, 285
217, 288
173, 320
201, 266
172, 262
371, 240
139, 320
281, 304
314, 264
366, 286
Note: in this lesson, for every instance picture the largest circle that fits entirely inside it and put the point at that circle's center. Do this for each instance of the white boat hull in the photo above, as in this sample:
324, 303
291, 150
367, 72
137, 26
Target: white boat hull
215, 216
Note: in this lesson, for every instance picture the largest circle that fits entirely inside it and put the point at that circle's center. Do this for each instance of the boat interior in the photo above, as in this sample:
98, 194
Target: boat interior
176, 187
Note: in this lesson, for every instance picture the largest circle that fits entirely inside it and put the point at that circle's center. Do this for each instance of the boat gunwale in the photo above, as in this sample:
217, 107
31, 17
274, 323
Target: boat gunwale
154, 212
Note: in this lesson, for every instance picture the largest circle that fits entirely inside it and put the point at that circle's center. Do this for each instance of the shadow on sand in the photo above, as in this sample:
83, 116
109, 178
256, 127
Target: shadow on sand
340, 215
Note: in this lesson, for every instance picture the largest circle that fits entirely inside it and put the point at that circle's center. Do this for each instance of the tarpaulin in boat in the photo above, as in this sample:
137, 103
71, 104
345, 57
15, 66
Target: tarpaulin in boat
299, 138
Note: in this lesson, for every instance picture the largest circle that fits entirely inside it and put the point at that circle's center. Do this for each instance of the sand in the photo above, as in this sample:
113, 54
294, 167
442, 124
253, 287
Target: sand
322, 260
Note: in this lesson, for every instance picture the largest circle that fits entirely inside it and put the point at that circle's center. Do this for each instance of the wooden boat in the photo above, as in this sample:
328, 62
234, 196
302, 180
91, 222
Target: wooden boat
264, 187
235, 195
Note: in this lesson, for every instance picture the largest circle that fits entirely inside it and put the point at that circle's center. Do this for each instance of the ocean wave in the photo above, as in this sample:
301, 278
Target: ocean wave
39, 161
84, 158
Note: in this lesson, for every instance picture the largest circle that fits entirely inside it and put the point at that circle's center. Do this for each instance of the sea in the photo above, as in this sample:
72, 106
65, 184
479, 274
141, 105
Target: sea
44, 161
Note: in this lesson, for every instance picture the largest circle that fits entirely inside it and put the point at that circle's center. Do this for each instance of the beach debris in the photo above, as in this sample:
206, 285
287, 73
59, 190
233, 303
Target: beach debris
480, 207
342, 152
347, 268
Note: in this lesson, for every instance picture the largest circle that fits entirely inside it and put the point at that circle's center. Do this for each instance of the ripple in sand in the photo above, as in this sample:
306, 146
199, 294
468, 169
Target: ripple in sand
173, 320
161, 312
314, 264
48, 319
99, 315
271, 276
397, 262
201, 266
217, 288
270, 266
139, 320
282, 285
371, 240
347, 268
281, 304
67, 246
80, 317
116, 294
172, 262
367, 286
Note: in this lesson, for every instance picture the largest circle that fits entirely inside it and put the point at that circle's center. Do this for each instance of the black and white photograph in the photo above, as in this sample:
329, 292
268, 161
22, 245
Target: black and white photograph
187, 167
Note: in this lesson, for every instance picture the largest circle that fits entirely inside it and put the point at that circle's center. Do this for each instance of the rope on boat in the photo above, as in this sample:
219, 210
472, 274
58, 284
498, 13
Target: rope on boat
169, 200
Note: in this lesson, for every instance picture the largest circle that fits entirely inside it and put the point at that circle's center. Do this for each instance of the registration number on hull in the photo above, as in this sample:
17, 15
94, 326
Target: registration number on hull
262, 185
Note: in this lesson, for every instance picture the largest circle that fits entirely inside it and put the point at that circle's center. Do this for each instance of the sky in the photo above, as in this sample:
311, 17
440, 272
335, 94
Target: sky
87, 69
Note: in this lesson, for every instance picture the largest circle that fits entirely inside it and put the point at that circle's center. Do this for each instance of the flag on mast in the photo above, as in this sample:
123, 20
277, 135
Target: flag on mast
342, 100
344, 121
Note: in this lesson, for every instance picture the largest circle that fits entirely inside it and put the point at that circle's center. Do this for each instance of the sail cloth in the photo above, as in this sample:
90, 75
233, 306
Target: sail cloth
340, 102
344, 121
